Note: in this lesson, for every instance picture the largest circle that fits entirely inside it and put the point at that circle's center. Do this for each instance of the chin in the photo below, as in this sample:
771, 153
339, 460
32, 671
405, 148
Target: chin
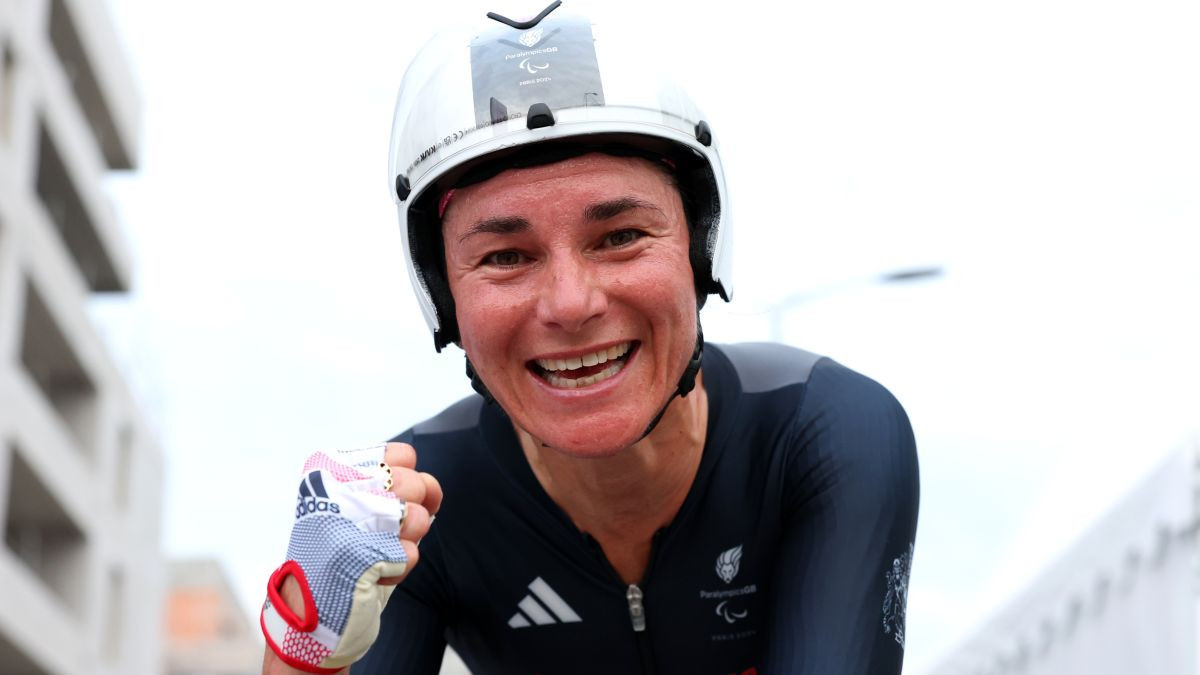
587, 444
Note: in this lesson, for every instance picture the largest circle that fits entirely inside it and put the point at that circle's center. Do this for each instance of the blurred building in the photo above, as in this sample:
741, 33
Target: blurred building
207, 631
81, 575
1124, 599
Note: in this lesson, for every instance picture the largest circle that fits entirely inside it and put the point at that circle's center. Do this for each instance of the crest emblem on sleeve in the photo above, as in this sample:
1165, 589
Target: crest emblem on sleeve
727, 563
895, 601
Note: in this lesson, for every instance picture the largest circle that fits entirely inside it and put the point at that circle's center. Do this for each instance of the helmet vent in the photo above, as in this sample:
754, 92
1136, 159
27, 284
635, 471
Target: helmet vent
525, 25
539, 116
403, 189
703, 133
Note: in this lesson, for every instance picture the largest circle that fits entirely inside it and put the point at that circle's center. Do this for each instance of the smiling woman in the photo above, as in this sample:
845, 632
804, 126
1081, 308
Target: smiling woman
611, 507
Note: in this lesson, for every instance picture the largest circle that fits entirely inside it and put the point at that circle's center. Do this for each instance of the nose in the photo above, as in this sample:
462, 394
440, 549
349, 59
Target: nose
571, 294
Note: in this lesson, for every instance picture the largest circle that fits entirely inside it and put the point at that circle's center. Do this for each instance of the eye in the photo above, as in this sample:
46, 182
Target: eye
504, 259
622, 238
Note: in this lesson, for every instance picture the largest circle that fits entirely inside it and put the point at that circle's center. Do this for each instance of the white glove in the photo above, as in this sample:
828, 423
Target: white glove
345, 538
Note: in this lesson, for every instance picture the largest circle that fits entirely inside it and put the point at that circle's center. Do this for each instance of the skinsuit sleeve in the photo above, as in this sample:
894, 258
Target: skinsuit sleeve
850, 513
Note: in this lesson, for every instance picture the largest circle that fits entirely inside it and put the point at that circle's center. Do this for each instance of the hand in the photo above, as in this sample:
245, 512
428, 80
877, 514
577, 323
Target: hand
359, 516
423, 495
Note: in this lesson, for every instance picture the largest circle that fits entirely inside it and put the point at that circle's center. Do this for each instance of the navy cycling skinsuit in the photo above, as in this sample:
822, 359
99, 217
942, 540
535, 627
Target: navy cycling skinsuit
790, 553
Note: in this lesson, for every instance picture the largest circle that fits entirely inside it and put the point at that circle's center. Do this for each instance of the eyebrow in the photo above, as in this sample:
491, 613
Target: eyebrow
498, 225
593, 213
615, 207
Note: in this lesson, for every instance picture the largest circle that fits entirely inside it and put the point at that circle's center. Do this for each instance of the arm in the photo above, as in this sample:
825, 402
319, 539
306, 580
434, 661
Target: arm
841, 581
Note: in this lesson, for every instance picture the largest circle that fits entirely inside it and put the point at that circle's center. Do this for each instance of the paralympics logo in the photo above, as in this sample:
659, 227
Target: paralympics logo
532, 68
728, 614
313, 498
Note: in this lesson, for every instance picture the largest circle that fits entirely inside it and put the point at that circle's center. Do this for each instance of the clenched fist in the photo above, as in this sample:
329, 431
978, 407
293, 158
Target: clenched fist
359, 516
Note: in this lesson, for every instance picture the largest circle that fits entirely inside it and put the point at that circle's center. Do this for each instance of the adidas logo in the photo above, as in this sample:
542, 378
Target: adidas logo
542, 607
313, 497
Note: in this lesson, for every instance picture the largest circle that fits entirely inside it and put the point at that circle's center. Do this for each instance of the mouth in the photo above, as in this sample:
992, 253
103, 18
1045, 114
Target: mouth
585, 369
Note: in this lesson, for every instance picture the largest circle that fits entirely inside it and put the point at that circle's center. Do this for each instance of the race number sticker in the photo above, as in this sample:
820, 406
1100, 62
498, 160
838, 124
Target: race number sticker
552, 63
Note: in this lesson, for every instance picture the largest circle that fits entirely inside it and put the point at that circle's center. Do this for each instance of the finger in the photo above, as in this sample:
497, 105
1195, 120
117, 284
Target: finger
408, 485
400, 454
410, 550
433, 493
416, 523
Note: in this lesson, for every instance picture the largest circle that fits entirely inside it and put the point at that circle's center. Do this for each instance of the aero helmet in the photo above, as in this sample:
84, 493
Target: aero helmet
507, 94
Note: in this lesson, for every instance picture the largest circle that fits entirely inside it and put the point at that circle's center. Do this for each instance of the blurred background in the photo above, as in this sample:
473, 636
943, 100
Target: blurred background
991, 208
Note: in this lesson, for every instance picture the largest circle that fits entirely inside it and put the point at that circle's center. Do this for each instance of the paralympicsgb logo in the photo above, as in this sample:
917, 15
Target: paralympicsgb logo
531, 37
313, 497
728, 563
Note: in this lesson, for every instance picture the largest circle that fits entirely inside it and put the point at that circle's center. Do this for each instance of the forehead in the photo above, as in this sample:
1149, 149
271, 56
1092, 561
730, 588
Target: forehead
570, 184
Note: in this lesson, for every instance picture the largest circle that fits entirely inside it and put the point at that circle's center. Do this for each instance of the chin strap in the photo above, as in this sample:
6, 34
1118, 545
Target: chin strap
477, 384
687, 381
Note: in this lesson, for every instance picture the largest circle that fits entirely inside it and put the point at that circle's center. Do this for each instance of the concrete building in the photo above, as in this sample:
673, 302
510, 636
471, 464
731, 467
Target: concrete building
81, 573
1124, 599
207, 631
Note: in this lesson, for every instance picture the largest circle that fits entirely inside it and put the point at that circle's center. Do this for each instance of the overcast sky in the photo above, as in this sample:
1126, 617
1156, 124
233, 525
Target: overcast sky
1044, 153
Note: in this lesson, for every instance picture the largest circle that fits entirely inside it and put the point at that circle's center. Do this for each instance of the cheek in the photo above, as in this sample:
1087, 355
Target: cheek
664, 286
472, 318
488, 322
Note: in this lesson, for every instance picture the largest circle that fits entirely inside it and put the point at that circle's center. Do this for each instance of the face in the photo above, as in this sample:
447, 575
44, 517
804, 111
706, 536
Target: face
574, 296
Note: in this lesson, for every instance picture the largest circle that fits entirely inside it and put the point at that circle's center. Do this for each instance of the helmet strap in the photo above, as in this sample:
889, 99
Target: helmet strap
477, 384
687, 381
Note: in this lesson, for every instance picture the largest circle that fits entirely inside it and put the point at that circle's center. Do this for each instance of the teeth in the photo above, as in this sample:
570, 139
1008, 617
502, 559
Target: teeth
602, 356
573, 382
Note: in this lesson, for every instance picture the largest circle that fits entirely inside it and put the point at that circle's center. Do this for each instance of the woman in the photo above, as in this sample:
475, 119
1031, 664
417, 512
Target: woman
622, 497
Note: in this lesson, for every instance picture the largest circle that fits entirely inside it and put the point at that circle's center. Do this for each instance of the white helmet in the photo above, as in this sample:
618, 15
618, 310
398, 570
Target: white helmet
511, 94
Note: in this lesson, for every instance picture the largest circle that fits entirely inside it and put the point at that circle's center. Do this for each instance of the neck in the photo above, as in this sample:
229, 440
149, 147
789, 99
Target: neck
636, 491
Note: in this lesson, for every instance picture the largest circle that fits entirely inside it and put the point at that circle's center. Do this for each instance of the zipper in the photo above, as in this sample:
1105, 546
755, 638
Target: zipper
635, 598
637, 613
637, 608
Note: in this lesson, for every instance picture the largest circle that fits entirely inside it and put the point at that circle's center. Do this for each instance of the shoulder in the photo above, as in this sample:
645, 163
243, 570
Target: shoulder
460, 416
844, 398
767, 366
827, 417
799, 384
448, 435
851, 439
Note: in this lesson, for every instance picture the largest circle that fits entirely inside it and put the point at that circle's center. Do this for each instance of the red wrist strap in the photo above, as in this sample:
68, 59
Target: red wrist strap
292, 568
